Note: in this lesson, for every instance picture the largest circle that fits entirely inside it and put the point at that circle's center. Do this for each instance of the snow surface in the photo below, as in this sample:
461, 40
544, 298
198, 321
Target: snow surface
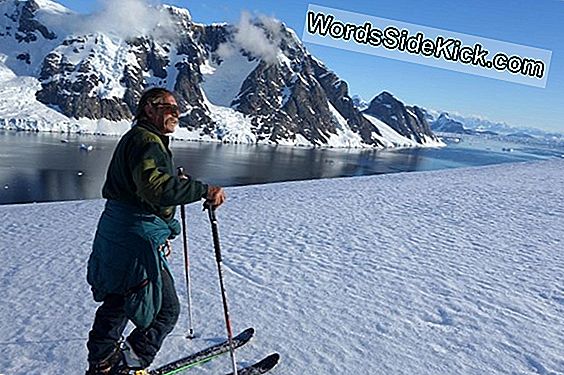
446, 272
18, 106
232, 127
389, 136
392, 138
345, 136
52, 7
223, 82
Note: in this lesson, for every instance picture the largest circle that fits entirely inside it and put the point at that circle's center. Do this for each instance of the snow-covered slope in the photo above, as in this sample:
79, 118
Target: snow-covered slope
389, 134
18, 107
222, 82
409, 122
446, 272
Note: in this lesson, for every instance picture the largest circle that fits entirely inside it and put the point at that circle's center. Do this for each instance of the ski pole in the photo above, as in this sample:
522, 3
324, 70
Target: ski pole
190, 334
215, 233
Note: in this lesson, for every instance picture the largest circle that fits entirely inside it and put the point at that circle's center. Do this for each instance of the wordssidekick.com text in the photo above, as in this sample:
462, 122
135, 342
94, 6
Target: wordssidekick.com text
439, 47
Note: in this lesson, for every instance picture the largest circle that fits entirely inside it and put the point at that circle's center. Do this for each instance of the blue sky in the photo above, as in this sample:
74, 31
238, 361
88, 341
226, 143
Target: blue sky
531, 23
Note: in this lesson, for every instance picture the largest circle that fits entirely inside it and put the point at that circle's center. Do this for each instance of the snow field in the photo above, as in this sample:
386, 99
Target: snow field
223, 82
444, 272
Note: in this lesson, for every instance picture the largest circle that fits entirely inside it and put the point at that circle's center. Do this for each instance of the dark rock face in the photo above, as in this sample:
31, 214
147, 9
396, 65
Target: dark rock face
407, 121
213, 35
339, 95
294, 97
69, 86
283, 105
24, 57
28, 25
147, 58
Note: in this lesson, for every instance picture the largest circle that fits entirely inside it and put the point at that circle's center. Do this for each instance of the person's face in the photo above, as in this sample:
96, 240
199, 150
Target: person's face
164, 114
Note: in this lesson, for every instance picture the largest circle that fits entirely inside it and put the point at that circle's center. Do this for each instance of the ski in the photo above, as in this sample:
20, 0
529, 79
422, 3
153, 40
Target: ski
204, 355
261, 367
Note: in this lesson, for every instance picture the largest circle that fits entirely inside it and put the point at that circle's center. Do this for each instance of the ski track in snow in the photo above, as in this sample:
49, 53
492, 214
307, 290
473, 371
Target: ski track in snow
445, 272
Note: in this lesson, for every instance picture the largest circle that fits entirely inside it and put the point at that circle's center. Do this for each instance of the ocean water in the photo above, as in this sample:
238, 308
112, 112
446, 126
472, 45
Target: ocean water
40, 167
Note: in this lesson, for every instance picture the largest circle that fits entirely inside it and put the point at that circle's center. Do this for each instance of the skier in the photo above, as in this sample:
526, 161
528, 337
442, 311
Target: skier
127, 269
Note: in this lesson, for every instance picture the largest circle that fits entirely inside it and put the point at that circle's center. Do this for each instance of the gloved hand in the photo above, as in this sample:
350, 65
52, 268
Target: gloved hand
216, 196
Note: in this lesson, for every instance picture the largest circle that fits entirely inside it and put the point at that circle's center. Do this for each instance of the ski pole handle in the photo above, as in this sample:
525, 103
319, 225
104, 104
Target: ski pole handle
215, 232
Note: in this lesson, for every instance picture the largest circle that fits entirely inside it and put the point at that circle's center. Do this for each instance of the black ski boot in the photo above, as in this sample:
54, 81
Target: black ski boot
106, 366
115, 364
130, 363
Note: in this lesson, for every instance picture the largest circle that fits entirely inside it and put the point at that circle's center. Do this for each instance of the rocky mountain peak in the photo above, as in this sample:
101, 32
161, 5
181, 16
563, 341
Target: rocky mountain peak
385, 96
444, 116
408, 121
180, 13
444, 123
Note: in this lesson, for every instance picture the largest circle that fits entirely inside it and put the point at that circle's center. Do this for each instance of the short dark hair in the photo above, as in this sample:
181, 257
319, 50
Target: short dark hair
151, 96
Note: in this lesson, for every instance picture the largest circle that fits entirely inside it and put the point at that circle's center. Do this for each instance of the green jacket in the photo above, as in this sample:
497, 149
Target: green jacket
143, 175
142, 191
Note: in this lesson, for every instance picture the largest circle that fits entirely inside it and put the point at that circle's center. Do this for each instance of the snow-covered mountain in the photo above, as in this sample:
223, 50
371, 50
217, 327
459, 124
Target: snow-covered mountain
408, 121
253, 82
452, 122
446, 124
482, 124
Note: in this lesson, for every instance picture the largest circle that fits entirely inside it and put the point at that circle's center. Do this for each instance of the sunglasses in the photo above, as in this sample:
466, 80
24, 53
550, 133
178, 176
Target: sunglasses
168, 108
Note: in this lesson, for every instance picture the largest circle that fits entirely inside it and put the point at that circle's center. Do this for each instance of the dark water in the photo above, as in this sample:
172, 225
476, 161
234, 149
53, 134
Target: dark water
38, 167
